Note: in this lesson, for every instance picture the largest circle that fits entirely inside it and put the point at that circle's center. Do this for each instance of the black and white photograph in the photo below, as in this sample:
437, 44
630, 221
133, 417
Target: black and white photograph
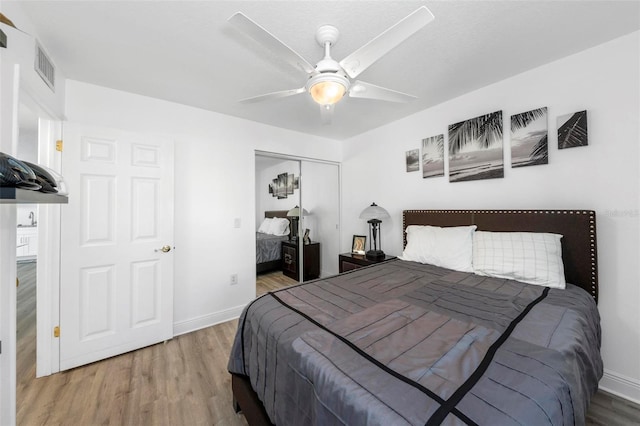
476, 148
433, 156
413, 160
290, 184
529, 138
572, 130
282, 185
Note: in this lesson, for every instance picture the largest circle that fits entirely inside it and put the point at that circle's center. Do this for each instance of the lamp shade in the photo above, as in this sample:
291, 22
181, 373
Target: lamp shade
374, 211
295, 212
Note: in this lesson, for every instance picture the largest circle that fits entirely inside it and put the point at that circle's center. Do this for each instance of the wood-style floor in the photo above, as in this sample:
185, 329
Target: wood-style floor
26, 322
181, 382
272, 281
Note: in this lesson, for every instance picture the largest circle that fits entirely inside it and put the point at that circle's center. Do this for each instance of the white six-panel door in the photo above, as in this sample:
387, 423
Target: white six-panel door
116, 287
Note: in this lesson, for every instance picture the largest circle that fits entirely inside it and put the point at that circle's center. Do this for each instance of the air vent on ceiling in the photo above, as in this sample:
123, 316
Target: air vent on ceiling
45, 68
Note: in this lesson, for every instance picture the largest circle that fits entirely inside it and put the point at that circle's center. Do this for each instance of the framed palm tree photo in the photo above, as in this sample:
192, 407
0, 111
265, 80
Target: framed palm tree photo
476, 148
413, 160
529, 145
290, 184
282, 186
572, 130
433, 156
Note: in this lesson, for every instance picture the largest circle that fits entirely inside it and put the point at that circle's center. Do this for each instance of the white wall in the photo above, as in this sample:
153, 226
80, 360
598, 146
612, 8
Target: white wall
215, 183
27, 150
21, 49
7, 254
603, 176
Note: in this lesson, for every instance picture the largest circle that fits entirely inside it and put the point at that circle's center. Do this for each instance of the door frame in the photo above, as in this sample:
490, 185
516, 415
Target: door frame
48, 258
9, 83
15, 92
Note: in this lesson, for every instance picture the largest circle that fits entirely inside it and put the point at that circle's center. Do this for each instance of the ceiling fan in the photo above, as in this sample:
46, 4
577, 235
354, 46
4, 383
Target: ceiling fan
329, 80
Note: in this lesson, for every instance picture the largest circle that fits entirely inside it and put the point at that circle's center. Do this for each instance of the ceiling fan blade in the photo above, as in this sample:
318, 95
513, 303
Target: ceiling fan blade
273, 95
326, 112
268, 40
364, 57
360, 89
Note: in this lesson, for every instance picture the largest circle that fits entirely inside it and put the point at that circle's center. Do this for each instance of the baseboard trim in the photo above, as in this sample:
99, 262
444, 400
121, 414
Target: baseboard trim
208, 320
622, 386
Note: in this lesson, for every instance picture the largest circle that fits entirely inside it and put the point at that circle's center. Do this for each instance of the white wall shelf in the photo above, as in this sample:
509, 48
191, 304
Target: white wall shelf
23, 196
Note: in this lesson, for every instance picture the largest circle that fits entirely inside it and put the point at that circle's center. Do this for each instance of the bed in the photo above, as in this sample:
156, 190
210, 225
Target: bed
403, 342
268, 247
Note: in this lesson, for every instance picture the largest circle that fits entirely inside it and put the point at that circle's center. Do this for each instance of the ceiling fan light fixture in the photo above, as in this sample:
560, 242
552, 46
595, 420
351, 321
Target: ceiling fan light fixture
327, 92
330, 80
327, 89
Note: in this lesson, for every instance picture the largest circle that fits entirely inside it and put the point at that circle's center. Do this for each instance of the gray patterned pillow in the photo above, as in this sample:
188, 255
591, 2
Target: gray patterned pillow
529, 257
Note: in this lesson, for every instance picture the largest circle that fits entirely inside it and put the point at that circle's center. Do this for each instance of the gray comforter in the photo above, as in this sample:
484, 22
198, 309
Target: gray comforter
268, 247
402, 343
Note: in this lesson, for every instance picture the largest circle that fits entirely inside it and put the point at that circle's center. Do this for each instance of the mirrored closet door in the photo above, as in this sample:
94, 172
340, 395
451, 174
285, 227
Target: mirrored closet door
304, 194
320, 196
277, 198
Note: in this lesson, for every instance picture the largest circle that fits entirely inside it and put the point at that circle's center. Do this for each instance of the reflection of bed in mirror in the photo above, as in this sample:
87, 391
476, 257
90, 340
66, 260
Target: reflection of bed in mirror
268, 246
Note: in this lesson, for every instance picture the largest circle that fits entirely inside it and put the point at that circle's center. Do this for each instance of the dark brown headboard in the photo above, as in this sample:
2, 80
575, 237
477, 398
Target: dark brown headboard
276, 213
578, 228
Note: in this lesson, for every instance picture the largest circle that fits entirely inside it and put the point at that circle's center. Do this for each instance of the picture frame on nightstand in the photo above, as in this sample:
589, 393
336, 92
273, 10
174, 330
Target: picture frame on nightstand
359, 243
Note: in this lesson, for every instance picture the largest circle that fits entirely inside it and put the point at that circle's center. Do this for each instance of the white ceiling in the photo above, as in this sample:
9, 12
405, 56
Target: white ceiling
187, 52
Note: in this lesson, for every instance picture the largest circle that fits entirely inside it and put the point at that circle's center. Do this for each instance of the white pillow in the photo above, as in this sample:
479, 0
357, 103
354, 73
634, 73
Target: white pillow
265, 225
529, 257
449, 247
279, 226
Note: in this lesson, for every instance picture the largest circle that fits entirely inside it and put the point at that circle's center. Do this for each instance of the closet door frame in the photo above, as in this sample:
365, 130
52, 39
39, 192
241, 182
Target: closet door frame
300, 160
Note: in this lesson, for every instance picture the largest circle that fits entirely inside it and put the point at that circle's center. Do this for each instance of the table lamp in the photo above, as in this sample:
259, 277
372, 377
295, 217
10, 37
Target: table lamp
294, 214
374, 215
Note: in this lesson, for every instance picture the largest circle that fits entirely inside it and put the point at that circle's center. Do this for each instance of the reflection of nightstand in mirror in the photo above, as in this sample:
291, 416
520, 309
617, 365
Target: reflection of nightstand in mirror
349, 261
290, 259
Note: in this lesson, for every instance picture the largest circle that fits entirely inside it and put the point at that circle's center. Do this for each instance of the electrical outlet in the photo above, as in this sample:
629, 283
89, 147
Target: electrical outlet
237, 222
234, 279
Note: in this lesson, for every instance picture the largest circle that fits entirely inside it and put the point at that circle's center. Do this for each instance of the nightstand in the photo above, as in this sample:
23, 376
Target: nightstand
349, 261
290, 260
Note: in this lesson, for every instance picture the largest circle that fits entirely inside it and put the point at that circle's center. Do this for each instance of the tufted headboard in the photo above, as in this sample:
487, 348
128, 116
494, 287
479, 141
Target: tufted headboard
276, 213
578, 228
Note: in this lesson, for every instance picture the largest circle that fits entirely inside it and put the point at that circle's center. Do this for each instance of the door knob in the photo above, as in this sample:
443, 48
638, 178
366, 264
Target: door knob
164, 249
